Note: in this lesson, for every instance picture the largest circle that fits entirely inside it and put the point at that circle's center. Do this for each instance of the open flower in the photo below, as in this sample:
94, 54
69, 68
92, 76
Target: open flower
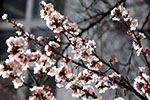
18, 81
4, 17
139, 51
134, 24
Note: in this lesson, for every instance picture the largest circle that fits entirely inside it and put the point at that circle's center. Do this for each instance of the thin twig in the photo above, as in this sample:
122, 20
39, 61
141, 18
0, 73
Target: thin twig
146, 20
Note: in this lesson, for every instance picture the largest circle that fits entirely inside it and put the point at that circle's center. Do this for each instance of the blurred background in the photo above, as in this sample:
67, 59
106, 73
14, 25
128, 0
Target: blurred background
94, 21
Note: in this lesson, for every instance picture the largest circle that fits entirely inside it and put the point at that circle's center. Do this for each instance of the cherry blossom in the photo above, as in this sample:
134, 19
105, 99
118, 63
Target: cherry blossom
135, 45
18, 82
18, 33
102, 86
134, 24
20, 25
94, 63
4, 16
16, 44
139, 51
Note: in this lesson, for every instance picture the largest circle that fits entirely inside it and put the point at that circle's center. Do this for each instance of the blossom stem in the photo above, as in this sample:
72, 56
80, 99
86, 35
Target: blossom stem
130, 87
138, 41
33, 77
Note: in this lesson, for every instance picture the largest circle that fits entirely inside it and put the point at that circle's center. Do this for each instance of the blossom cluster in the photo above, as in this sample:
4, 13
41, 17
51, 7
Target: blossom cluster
121, 14
80, 84
41, 92
14, 66
83, 49
142, 82
44, 59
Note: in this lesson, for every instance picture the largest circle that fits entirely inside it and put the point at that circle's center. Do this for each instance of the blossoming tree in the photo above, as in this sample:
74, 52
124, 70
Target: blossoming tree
84, 84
